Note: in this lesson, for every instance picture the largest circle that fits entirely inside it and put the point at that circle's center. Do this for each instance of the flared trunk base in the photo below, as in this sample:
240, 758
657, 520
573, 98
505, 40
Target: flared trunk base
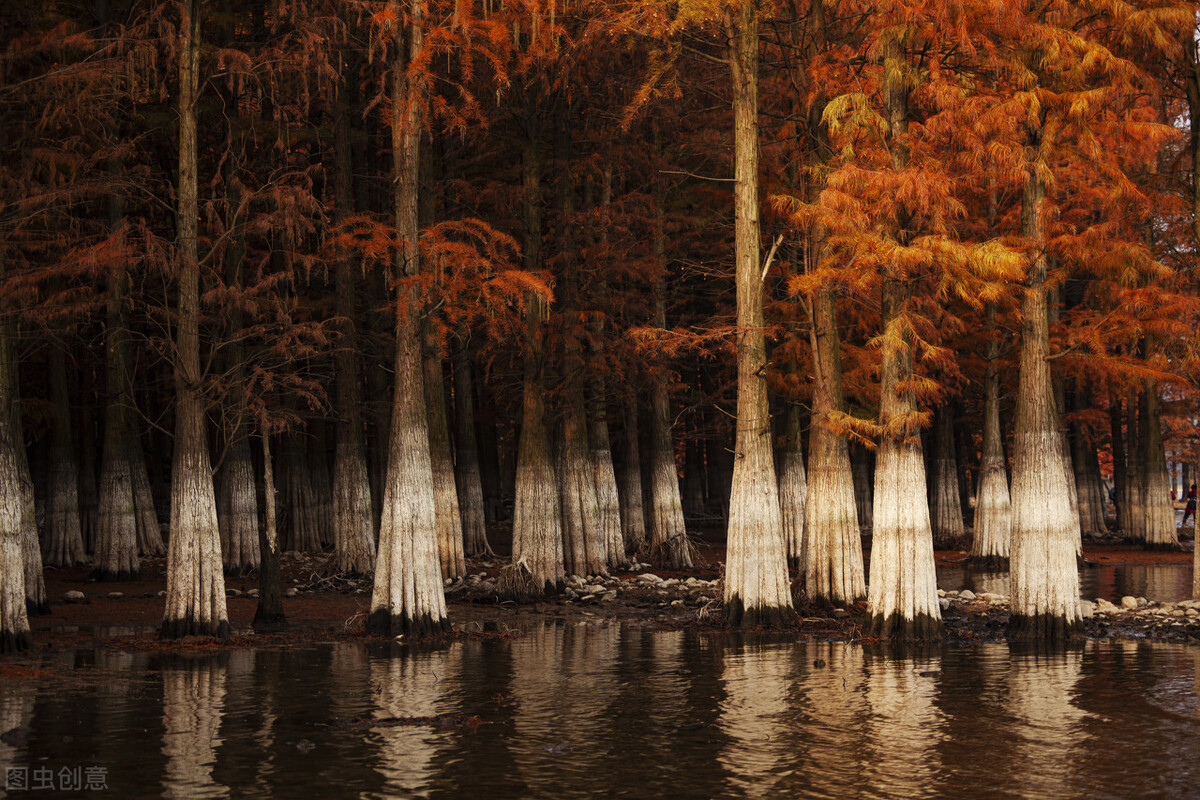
191, 626
897, 628
15, 642
1042, 627
774, 618
110, 575
425, 626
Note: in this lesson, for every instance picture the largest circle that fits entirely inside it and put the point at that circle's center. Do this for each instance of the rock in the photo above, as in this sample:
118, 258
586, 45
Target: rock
676, 603
670, 582
575, 582
488, 586
448, 581
966, 594
233, 593
74, 596
252, 593
115, 595
291, 591
990, 597
1141, 601
941, 592
1104, 607
1191, 612
951, 593
608, 596
593, 588
840, 613
1129, 602
1087, 609
650, 577
944, 603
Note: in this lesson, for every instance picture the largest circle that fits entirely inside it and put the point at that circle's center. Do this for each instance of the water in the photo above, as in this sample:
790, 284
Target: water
571, 711
1165, 583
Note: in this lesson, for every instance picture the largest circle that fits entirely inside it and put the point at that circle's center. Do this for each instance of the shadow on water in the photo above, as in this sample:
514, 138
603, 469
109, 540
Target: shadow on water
568, 710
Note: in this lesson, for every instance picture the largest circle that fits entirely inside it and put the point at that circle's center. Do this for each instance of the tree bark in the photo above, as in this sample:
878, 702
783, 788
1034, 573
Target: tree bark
757, 593
949, 533
993, 506
633, 514
862, 468
62, 545
1043, 570
1120, 480
237, 508
793, 484
1135, 483
467, 473
408, 597
445, 487
195, 581
1156, 491
14, 613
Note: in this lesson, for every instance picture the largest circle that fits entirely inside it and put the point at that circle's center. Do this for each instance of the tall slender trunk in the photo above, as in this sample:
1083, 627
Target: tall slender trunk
195, 581
467, 474
408, 597
862, 468
62, 545
945, 510
756, 580
115, 553
237, 508
903, 601
489, 451
1083, 456
1117, 441
633, 515
993, 507
89, 489
1043, 570
14, 614
317, 453
302, 528
149, 536
353, 515
1160, 511
793, 483
445, 487
693, 475
537, 535
1134, 501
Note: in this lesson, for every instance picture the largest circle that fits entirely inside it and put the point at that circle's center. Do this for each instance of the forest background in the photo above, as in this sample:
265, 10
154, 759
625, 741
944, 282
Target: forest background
379, 278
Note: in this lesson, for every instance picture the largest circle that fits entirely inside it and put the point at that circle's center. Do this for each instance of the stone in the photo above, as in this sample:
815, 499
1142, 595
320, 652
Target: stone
1104, 607
1129, 602
592, 589
74, 596
650, 577
941, 592
966, 594
115, 595
608, 596
944, 603
233, 593
1141, 601
1087, 609
252, 593
291, 591
676, 603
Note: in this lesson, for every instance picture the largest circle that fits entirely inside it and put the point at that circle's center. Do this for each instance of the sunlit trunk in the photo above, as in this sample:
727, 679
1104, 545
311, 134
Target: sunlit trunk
793, 484
993, 507
633, 515
445, 487
14, 617
757, 592
237, 508
945, 511
407, 597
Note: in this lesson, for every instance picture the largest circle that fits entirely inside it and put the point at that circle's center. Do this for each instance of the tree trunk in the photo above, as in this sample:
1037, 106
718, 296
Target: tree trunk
993, 507
862, 468
302, 529
195, 581
693, 476
1120, 480
14, 612
1134, 502
319, 477
149, 536
1156, 491
756, 579
89, 489
489, 452
353, 512
1044, 574
115, 554
467, 474
633, 514
949, 533
793, 484
445, 488
903, 600
408, 597
1091, 508
268, 615
237, 508
62, 545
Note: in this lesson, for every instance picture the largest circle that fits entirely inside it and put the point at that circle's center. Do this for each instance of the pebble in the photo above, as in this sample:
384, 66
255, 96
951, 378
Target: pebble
1087, 609
966, 594
592, 589
941, 592
650, 577
1129, 602
233, 593
1104, 607
115, 595
292, 591
74, 597
944, 603
608, 596
252, 593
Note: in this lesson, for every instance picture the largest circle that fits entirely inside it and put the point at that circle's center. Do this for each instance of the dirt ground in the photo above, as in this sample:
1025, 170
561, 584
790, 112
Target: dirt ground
128, 613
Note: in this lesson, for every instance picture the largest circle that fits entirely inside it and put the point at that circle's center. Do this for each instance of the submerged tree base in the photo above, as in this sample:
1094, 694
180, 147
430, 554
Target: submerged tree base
759, 617
15, 642
897, 628
190, 626
36, 609
383, 623
1050, 628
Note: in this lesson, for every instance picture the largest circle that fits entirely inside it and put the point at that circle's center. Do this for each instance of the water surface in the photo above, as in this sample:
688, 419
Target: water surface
569, 711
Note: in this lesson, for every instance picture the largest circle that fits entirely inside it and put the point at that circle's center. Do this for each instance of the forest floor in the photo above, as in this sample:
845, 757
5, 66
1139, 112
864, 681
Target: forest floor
127, 613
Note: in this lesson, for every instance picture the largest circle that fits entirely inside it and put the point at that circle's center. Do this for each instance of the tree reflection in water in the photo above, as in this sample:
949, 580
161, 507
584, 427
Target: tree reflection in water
193, 705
